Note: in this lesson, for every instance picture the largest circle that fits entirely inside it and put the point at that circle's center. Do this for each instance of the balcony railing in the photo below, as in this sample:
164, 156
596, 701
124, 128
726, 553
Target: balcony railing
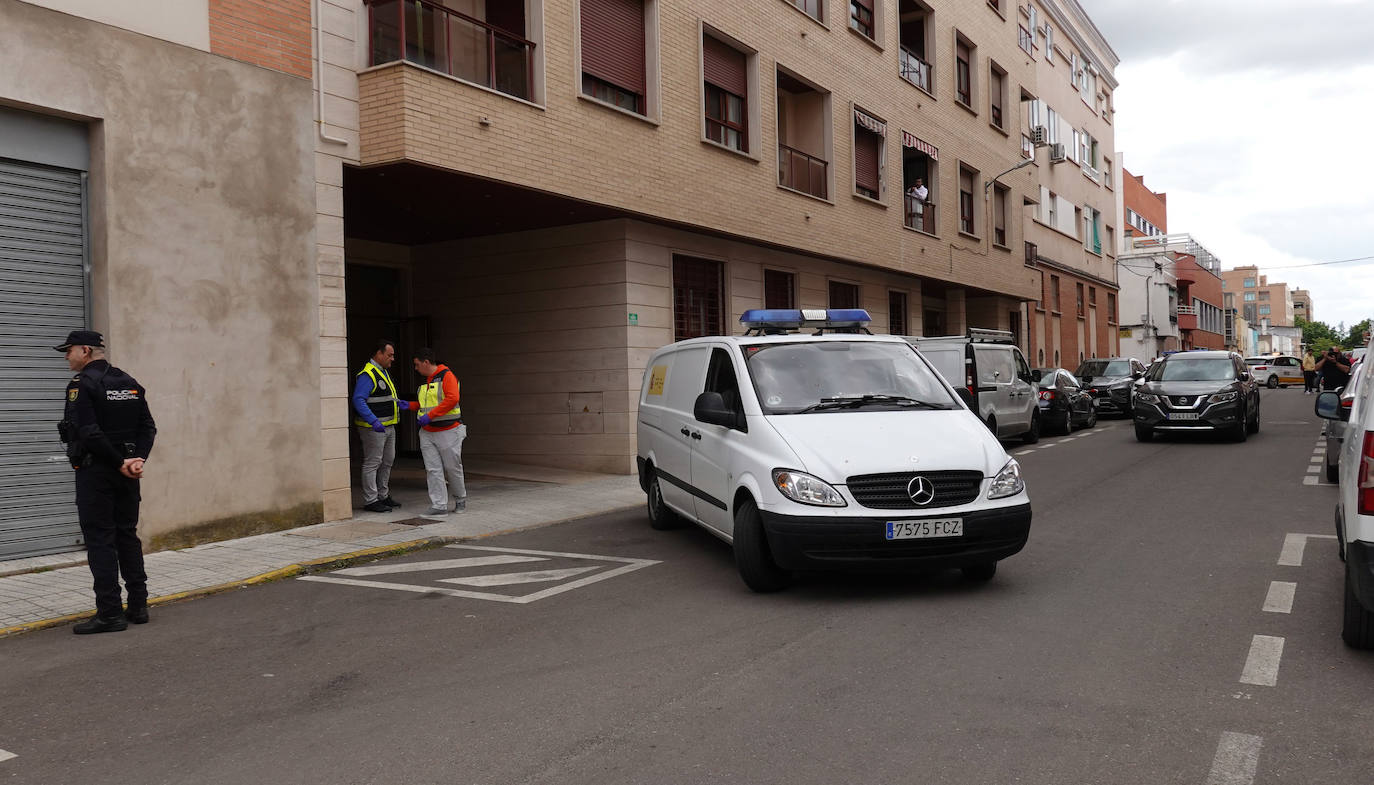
919, 215
451, 42
802, 171
1187, 310
914, 69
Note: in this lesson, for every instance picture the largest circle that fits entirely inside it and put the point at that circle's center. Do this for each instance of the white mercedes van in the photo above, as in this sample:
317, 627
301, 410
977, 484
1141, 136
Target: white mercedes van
810, 444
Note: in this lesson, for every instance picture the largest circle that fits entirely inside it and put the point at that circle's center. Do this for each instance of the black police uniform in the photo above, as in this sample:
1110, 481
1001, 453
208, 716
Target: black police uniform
106, 422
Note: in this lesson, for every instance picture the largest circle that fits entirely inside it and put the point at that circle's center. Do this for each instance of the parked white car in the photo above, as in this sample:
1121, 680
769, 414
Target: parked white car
1275, 371
827, 448
1355, 507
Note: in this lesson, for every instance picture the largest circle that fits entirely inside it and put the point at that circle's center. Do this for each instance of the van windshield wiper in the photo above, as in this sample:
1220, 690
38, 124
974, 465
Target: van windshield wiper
855, 401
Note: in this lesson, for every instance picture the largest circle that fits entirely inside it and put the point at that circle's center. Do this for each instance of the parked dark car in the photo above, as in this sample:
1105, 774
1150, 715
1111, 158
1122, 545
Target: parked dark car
1198, 391
1064, 404
1335, 429
1108, 380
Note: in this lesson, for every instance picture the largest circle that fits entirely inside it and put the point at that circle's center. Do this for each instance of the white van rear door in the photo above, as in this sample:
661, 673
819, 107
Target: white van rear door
673, 449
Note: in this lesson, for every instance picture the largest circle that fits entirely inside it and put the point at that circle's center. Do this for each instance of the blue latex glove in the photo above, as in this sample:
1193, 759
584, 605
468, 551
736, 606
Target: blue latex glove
378, 427
423, 420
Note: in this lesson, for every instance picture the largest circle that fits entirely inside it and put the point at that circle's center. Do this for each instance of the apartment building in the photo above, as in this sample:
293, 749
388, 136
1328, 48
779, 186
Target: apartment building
157, 183
1178, 281
1268, 306
1302, 305
1146, 211
1073, 221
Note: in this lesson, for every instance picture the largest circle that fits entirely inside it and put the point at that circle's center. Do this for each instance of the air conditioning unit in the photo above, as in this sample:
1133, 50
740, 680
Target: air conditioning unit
1040, 135
1057, 153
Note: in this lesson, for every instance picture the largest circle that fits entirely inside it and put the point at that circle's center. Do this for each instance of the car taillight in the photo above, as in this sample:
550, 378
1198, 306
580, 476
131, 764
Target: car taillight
1364, 492
1261, 367
1047, 395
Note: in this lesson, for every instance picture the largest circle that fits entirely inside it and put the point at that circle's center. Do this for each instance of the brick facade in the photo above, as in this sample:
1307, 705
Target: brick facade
271, 33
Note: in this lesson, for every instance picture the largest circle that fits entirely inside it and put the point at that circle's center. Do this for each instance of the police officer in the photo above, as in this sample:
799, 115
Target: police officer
109, 432
376, 410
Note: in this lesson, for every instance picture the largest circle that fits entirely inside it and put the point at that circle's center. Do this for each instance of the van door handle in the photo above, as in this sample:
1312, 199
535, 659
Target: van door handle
696, 435
686, 432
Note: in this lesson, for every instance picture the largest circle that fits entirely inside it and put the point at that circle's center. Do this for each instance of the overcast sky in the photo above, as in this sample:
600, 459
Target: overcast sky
1257, 119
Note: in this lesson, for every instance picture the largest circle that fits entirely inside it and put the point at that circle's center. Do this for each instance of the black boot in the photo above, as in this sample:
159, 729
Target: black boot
137, 614
101, 624
377, 506
390, 502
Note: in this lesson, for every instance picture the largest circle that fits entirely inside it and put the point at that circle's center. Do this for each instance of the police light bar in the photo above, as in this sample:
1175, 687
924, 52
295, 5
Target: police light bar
778, 319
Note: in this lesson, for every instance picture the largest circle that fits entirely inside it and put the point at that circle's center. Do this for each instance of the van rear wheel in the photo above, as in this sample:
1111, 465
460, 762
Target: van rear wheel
660, 517
753, 558
1033, 435
1357, 628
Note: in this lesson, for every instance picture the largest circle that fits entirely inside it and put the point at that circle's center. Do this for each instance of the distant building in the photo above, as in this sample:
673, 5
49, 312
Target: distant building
1302, 305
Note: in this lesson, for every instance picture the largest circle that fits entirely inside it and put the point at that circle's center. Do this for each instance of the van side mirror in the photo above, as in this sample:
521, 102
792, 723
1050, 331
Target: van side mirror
967, 398
1036, 375
1137, 374
710, 408
1328, 406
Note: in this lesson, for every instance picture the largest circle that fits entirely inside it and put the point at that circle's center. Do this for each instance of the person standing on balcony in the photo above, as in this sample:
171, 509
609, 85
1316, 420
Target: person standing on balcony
1309, 372
918, 194
441, 434
376, 410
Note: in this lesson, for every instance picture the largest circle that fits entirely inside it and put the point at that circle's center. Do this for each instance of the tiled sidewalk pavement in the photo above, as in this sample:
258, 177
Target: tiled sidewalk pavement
34, 600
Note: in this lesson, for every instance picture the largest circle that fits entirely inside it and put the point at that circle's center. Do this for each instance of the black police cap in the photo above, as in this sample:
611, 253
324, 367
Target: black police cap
82, 338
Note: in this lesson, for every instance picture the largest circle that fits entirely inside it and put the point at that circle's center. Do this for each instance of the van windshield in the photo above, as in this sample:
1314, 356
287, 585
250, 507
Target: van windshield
821, 376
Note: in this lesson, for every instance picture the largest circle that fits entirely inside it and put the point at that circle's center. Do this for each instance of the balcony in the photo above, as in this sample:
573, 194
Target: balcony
452, 43
1187, 317
802, 171
919, 215
1186, 274
914, 69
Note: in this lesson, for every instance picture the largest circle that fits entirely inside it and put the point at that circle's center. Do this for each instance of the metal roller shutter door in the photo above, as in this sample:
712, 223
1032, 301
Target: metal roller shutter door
42, 297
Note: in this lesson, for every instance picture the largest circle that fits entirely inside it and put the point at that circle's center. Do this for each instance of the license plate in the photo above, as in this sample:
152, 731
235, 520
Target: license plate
1182, 415
914, 530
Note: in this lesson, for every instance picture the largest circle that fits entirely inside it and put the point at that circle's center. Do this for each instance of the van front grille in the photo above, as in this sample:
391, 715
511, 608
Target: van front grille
889, 491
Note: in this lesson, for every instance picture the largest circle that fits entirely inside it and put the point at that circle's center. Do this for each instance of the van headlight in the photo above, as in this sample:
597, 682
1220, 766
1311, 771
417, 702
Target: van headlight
805, 489
1008, 482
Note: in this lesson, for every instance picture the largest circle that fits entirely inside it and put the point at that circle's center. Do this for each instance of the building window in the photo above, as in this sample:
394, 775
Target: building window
485, 46
803, 136
1264, 295
869, 133
896, 313
1111, 240
995, 5
1049, 44
779, 289
1078, 297
726, 87
1263, 309
919, 183
968, 181
1249, 283
698, 296
999, 215
1025, 40
1111, 308
1054, 294
914, 43
613, 53
861, 17
1249, 297
843, 295
963, 71
997, 88
812, 8
1092, 229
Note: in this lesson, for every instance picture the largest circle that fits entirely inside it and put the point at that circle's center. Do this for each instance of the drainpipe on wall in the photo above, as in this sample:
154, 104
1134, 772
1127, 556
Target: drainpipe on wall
319, 77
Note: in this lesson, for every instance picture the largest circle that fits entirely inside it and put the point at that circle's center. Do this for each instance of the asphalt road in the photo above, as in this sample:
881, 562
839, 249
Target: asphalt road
1111, 650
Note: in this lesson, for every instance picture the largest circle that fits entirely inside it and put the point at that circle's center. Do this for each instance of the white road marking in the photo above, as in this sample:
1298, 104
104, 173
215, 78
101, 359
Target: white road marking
1280, 597
1262, 664
1317, 458
4, 756
1293, 545
1023, 452
1310, 479
512, 578
1313, 469
1068, 438
440, 564
1237, 759
1044, 446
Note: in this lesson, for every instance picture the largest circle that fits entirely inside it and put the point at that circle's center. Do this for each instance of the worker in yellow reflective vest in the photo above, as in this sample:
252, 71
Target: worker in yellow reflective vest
441, 434
376, 410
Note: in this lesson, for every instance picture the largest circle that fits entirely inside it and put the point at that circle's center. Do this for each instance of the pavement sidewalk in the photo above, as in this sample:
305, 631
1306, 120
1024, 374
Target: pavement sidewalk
49, 590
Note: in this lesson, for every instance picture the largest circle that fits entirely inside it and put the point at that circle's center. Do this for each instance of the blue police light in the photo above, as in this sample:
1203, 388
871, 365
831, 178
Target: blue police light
777, 320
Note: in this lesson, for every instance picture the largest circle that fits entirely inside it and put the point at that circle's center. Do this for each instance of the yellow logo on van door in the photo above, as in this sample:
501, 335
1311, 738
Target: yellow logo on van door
656, 379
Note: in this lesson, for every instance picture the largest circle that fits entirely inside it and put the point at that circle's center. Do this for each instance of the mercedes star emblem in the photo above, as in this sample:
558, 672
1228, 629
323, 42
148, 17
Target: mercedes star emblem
921, 491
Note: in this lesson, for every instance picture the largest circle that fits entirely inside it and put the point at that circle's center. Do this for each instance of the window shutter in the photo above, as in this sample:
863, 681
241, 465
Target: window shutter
866, 153
613, 42
724, 67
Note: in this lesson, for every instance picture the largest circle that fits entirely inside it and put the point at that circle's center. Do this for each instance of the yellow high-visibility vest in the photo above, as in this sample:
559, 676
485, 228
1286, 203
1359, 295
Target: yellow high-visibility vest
383, 401
432, 393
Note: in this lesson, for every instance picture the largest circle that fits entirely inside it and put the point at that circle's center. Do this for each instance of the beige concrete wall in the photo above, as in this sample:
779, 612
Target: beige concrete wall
203, 219
185, 22
660, 166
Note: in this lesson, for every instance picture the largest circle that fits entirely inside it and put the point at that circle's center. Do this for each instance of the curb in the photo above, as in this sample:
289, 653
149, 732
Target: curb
289, 571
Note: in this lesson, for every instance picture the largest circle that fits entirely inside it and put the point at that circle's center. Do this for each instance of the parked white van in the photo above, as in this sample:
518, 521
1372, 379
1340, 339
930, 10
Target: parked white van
825, 449
991, 366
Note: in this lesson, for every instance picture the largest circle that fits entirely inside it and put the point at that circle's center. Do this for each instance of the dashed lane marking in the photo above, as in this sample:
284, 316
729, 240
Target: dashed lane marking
1310, 479
1262, 663
1317, 458
1237, 759
1314, 468
1294, 543
1280, 597
1024, 452
4, 756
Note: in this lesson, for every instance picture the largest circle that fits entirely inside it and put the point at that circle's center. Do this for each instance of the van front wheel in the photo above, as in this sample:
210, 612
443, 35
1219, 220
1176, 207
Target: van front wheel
753, 558
660, 517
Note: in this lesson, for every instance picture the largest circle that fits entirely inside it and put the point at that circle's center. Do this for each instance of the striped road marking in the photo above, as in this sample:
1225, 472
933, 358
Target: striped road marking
1262, 664
1236, 761
4, 756
1310, 479
1280, 597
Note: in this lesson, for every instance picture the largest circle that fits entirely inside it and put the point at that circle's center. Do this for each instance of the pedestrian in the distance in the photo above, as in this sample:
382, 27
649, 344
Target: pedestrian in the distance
109, 432
1309, 372
441, 434
376, 410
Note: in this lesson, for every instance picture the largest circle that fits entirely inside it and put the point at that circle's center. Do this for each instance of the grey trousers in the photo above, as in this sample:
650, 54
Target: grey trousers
443, 454
379, 452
